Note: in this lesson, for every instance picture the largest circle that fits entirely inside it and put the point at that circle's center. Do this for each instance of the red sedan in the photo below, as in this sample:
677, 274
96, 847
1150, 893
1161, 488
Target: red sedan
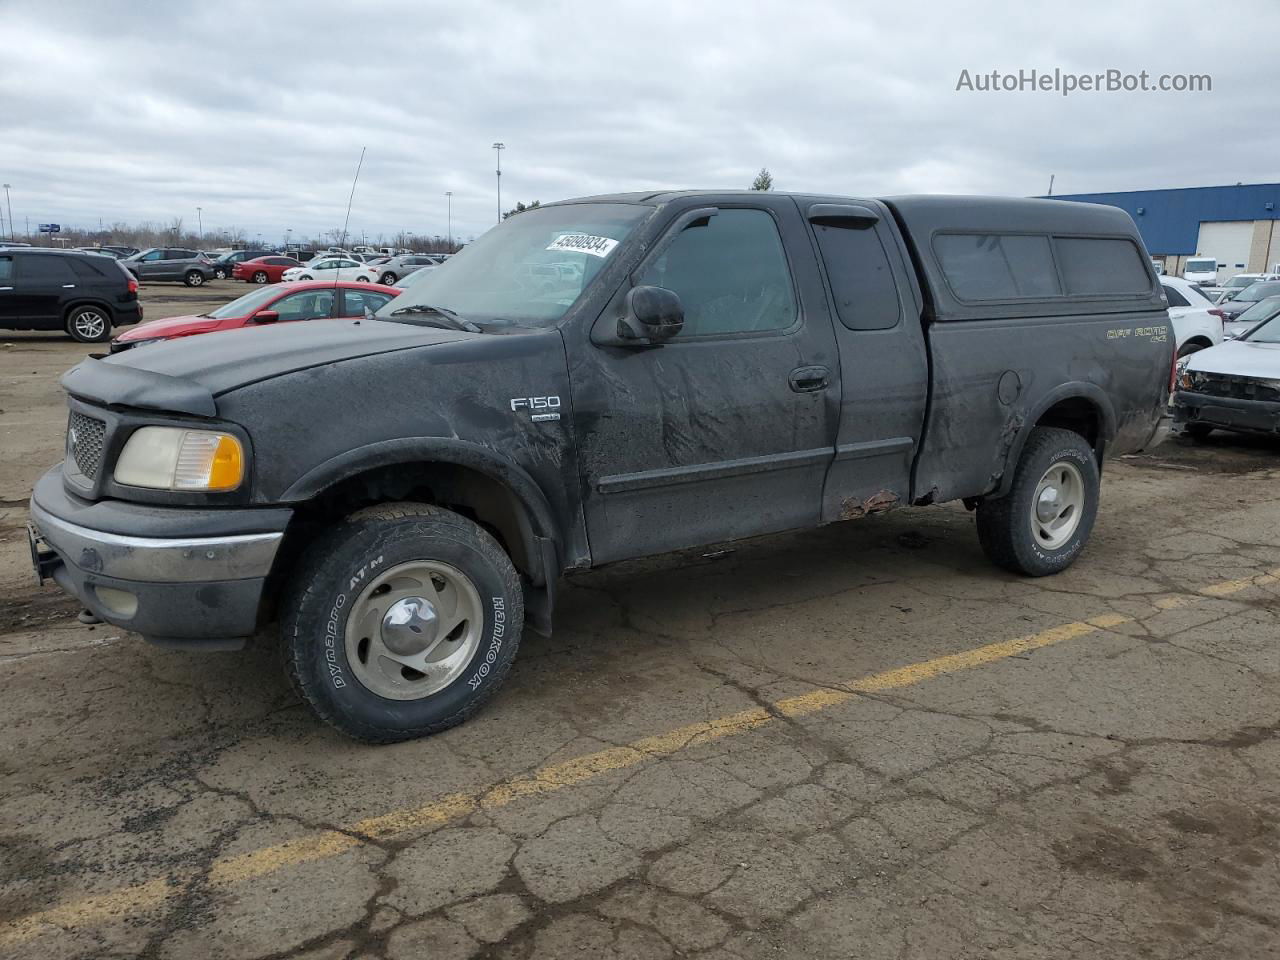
263, 269
303, 300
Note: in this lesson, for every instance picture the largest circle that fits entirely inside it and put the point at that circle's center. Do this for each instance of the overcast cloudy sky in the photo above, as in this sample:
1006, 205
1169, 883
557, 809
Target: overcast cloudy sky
257, 111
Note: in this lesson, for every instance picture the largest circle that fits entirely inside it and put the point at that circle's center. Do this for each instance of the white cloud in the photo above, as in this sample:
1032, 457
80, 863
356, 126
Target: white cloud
257, 112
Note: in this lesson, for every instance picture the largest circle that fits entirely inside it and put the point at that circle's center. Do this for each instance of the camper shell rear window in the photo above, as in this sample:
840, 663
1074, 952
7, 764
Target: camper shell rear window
997, 266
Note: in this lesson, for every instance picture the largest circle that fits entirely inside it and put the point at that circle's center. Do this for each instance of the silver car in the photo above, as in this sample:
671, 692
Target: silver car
396, 268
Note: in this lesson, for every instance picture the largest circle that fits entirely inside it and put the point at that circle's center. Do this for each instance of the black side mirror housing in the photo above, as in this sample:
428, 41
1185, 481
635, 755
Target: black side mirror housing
653, 315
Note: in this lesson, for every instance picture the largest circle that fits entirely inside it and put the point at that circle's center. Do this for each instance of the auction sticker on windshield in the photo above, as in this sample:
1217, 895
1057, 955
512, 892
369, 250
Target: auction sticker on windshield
583, 243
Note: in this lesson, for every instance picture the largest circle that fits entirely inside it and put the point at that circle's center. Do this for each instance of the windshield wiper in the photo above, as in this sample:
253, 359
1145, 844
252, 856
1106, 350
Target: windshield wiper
449, 319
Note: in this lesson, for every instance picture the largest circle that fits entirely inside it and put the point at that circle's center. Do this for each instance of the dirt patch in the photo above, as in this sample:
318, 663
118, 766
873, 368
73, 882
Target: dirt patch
30, 608
1110, 852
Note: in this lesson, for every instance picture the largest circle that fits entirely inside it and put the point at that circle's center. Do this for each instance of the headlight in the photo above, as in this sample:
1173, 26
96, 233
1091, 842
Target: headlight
171, 458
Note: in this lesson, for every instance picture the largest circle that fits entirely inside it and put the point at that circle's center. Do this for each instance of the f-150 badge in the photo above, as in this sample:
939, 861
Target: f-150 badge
540, 408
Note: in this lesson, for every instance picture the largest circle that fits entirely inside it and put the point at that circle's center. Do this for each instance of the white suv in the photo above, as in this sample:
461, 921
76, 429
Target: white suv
1193, 325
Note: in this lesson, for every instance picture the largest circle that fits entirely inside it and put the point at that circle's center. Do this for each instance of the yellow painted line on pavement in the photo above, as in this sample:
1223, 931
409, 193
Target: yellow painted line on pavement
228, 871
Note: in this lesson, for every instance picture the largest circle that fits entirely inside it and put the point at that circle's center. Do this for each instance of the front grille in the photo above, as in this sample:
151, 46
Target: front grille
84, 442
1237, 388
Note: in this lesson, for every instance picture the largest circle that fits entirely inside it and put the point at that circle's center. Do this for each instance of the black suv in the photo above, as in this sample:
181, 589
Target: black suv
85, 294
167, 263
223, 266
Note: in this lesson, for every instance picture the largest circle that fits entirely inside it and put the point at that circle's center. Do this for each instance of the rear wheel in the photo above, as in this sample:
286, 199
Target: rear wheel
193, 278
402, 622
260, 276
362, 279
88, 324
1043, 523
219, 273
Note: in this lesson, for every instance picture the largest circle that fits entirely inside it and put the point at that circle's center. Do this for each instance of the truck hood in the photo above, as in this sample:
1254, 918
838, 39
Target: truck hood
1239, 358
186, 375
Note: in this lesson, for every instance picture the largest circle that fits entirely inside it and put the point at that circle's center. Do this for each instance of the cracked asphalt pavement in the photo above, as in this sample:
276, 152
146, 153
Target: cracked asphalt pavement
857, 741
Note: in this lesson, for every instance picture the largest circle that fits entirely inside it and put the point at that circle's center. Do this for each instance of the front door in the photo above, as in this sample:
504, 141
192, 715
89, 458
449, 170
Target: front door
43, 282
728, 429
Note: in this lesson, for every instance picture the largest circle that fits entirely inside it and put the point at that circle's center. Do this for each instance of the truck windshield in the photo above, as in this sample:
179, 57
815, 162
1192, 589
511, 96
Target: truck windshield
1200, 266
528, 271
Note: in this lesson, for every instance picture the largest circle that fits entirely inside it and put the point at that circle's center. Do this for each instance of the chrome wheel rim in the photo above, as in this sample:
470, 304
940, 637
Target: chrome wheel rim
90, 324
414, 629
1057, 505
259, 277
196, 279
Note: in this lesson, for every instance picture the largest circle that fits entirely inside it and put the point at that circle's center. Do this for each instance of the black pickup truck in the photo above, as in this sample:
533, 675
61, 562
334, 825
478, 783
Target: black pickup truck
592, 381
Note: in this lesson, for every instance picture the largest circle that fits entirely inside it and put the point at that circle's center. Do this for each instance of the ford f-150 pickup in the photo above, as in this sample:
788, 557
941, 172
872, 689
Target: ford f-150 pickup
592, 381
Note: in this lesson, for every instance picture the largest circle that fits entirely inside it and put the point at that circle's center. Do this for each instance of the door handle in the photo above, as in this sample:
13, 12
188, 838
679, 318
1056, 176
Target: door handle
68, 286
809, 379
6, 288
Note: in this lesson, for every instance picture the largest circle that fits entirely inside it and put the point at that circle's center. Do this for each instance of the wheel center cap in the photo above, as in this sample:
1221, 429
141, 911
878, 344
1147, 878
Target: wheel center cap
1049, 505
409, 626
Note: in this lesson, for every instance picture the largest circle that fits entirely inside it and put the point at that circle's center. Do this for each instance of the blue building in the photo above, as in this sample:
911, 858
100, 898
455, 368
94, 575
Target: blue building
1235, 225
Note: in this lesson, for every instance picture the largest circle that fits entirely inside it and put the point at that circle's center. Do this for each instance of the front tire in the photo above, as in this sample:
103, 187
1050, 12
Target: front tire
388, 278
1043, 523
260, 276
219, 273
401, 622
89, 325
1187, 349
193, 278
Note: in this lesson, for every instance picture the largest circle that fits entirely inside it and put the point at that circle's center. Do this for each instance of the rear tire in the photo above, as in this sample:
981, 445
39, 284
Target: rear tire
1043, 523
260, 277
89, 325
362, 279
1187, 349
193, 278
380, 572
219, 273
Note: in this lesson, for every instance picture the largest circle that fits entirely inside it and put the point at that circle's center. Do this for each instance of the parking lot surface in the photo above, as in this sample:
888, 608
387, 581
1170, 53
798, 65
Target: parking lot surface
860, 741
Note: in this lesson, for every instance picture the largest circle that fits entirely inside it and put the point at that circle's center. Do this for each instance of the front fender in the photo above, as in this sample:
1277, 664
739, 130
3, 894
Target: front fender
429, 450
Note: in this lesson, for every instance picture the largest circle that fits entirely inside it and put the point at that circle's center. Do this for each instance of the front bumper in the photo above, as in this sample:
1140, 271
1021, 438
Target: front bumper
1227, 413
178, 576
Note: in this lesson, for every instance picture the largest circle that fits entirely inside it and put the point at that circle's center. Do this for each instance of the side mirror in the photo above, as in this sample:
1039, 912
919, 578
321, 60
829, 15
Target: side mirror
266, 316
653, 315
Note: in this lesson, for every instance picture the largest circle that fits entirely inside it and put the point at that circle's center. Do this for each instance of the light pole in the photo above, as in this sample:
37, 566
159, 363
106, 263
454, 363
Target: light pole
200, 223
9, 203
449, 195
288, 236
497, 149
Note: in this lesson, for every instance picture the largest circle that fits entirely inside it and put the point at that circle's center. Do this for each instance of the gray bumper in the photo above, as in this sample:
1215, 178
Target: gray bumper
203, 588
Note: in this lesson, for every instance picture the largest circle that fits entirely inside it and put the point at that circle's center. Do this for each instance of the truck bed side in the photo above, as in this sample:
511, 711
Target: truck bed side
1063, 350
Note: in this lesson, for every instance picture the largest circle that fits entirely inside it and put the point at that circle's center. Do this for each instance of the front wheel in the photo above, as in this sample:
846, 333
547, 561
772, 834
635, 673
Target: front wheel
402, 622
388, 278
88, 325
1043, 523
260, 277
193, 278
219, 273
1187, 349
